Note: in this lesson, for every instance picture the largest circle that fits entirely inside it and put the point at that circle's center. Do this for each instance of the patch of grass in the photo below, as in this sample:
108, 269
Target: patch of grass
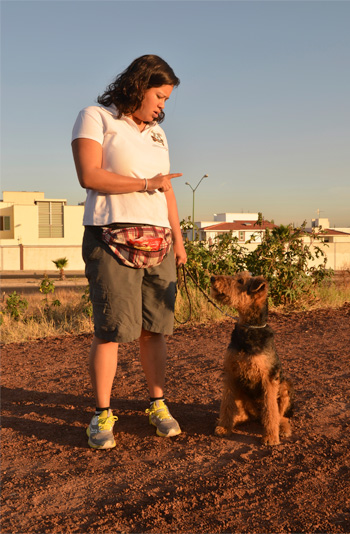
64, 313
68, 311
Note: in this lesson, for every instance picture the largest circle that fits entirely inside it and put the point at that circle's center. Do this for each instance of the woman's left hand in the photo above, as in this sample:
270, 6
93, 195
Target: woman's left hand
180, 254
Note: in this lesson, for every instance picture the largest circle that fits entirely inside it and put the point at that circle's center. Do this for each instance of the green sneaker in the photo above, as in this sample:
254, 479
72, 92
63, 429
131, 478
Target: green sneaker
100, 430
159, 416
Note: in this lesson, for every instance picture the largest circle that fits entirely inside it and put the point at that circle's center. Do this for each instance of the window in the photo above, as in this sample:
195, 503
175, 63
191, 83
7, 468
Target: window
241, 236
5, 223
50, 219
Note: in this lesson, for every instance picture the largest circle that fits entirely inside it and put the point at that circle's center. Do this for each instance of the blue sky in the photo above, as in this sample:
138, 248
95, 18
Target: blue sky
262, 108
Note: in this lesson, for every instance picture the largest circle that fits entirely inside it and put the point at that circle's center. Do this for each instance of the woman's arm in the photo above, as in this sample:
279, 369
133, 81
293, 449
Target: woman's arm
179, 249
88, 163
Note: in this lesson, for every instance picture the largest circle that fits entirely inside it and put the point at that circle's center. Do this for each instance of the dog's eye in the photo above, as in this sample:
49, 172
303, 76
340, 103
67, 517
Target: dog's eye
240, 281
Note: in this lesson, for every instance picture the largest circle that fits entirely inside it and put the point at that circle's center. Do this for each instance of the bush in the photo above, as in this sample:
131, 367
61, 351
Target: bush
16, 305
282, 257
222, 256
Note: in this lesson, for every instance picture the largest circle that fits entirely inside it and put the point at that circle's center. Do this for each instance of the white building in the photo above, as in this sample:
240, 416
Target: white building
334, 242
35, 230
244, 226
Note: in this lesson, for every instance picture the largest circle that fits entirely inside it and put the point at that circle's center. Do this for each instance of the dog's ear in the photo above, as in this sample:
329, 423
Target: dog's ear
258, 284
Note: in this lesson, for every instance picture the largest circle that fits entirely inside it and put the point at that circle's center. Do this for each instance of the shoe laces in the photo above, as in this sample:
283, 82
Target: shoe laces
106, 423
162, 412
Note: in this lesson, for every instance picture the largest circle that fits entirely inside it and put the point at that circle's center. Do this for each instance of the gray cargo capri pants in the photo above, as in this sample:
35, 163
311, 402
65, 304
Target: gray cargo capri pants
127, 300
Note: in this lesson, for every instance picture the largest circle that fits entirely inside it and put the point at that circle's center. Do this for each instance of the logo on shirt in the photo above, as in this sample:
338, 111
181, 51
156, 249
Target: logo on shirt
157, 138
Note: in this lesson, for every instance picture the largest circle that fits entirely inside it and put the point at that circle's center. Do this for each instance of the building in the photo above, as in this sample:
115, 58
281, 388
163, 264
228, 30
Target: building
35, 230
244, 226
334, 242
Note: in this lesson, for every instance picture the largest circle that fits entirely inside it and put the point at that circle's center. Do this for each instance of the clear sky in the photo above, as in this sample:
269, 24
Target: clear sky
263, 106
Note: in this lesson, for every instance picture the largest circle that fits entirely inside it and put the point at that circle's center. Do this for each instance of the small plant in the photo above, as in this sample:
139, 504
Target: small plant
61, 264
16, 305
46, 287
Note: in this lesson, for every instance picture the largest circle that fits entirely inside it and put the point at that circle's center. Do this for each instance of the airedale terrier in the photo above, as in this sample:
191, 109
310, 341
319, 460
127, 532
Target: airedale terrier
254, 387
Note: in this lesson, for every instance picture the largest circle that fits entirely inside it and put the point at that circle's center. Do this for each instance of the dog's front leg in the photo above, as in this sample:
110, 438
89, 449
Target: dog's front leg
270, 413
225, 422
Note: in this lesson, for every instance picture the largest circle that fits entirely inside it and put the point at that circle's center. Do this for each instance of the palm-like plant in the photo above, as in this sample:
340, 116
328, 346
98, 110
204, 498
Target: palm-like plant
61, 264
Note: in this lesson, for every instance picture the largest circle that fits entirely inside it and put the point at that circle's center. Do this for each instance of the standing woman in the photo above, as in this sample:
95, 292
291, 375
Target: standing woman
132, 240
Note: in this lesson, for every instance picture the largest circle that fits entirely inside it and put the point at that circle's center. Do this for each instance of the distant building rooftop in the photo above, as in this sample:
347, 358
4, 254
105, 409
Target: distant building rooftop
240, 225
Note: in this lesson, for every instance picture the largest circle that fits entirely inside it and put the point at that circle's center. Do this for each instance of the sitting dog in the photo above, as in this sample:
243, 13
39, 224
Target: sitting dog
254, 386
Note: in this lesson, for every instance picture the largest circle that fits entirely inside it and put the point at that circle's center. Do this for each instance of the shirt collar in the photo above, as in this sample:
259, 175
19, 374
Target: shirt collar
112, 109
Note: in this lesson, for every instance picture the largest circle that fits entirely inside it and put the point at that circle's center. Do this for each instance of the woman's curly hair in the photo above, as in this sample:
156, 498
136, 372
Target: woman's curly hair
128, 89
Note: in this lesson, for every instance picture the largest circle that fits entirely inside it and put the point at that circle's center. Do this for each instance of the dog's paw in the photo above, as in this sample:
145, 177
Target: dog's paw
221, 431
270, 440
285, 429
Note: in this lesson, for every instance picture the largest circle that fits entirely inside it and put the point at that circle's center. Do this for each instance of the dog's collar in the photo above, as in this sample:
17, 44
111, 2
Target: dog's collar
252, 325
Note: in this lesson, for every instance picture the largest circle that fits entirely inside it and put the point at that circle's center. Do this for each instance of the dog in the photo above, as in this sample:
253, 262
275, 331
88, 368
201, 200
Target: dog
254, 386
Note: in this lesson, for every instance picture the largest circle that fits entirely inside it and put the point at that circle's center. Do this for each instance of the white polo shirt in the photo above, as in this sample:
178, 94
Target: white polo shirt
128, 152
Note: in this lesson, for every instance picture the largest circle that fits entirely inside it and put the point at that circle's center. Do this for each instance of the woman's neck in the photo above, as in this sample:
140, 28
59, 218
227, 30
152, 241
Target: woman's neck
139, 123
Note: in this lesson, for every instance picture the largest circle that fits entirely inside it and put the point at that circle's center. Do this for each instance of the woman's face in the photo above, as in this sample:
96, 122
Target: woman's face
152, 104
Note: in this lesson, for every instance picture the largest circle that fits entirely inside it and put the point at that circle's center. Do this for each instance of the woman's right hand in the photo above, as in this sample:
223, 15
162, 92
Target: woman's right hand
162, 182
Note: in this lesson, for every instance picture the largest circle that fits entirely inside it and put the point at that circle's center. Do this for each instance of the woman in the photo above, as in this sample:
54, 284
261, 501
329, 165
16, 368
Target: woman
132, 241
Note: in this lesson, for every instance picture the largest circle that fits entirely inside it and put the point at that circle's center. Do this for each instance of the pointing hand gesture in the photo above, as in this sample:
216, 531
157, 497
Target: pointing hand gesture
162, 182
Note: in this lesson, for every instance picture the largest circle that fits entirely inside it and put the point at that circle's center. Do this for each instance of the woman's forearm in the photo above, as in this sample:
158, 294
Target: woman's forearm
88, 162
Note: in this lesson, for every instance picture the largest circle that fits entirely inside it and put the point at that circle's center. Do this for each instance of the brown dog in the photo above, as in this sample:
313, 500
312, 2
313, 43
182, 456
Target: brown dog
254, 386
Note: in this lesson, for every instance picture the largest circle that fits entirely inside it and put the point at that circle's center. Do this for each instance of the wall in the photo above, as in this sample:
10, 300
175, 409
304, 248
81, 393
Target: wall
39, 257
338, 255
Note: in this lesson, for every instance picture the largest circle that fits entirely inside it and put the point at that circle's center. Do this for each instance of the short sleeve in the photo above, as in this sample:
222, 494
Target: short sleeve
89, 125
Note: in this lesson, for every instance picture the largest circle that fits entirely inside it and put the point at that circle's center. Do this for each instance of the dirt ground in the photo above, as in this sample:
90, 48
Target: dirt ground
52, 482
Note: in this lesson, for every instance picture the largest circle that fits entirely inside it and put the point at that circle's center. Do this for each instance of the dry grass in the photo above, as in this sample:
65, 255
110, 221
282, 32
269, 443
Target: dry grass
43, 318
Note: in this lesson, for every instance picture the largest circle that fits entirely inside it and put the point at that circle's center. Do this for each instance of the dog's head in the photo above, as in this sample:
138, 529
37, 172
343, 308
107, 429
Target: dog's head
243, 291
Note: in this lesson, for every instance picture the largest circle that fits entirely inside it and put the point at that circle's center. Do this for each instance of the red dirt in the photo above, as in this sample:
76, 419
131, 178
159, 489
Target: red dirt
52, 482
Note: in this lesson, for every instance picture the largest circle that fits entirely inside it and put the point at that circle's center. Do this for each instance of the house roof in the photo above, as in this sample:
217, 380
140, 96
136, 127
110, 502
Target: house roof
330, 232
240, 225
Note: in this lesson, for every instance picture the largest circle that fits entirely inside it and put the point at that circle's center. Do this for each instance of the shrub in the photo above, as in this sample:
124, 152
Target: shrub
16, 305
222, 256
282, 257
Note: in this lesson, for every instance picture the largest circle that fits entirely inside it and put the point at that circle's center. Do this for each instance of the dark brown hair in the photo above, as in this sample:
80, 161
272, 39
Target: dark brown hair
128, 89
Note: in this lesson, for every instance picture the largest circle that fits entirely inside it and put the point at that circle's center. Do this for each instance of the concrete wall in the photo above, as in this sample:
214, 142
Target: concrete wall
39, 257
338, 255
